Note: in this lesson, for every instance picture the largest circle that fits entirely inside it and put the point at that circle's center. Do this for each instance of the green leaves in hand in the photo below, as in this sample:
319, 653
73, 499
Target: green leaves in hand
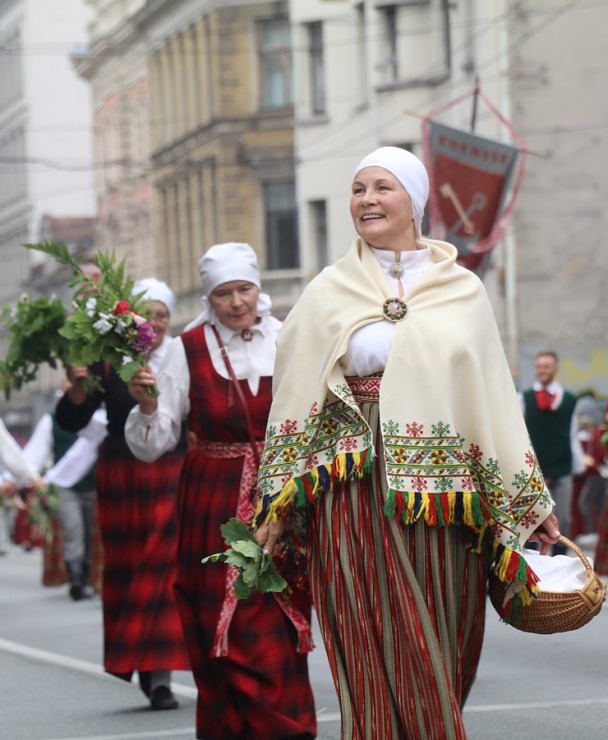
257, 569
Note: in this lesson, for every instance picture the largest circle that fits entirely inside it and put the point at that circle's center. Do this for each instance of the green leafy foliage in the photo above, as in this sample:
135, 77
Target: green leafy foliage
34, 338
41, 510
256, 568
107, 322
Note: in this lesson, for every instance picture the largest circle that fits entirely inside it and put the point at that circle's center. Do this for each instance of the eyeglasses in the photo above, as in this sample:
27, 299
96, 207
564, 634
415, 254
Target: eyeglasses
160, 318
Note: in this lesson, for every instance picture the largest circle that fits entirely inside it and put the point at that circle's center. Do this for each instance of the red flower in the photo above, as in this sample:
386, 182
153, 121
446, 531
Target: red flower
121, 307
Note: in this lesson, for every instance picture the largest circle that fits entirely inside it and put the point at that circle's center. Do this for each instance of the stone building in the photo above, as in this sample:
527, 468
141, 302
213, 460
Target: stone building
221, 122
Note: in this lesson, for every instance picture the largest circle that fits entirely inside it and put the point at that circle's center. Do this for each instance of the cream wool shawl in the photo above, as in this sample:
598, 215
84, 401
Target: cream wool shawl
456, 447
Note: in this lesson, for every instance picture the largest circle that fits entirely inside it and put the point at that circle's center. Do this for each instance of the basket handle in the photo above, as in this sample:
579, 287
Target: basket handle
568, 543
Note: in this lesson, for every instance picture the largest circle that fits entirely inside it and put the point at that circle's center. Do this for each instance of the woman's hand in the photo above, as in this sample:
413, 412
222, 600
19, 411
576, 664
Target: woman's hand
8, 489
138, 384
546, 534
76, 391
268, 534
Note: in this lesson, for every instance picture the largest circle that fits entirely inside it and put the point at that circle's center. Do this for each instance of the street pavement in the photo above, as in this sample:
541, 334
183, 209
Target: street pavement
52, 687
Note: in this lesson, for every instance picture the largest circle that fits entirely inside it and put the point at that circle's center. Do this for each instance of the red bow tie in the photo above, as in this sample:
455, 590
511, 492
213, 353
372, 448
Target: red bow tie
544, 399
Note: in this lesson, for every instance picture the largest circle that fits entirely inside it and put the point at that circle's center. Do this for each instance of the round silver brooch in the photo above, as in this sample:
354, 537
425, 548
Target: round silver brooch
396, 270
394, 309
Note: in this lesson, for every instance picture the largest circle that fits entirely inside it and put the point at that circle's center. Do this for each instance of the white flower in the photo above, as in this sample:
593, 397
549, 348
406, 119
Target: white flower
120, 326
102, 325
126, 359
90, 307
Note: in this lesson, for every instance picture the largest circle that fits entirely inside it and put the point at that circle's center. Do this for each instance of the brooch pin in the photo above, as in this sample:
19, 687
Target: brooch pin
394, 309
396, 270
247, 335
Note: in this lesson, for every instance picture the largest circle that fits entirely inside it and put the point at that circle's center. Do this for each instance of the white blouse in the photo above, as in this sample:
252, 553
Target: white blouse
369, 346
79, 458
150, 436
13, 458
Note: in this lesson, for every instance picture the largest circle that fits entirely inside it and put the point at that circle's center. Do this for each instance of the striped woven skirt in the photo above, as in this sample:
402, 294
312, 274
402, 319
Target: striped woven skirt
600, 559
401, 609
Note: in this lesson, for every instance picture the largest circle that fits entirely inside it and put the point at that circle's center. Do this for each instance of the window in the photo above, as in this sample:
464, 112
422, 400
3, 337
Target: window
390, 34
275, 63
281, 225
318, 212
415, 43
362, 55
317, 72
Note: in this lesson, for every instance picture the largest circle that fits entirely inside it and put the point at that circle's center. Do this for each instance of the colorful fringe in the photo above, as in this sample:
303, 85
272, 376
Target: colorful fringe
464, 508
510, 566
306, 489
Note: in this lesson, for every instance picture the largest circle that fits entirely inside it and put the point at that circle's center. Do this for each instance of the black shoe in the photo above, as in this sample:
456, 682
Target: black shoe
145, 680
78, 589
76, 592
162, 698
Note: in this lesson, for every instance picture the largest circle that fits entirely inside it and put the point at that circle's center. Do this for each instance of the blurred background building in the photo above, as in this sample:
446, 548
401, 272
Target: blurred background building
218, 120
46, 168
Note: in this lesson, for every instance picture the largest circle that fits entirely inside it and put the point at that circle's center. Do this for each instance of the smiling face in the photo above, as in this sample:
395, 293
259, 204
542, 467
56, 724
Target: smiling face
382, 211
159, 320
236, 304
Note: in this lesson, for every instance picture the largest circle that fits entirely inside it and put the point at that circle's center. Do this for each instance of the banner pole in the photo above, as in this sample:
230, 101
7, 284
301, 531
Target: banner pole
474, 110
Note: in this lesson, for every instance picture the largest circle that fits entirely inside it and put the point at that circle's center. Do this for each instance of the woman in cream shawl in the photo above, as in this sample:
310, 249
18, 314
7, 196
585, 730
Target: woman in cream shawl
394, 416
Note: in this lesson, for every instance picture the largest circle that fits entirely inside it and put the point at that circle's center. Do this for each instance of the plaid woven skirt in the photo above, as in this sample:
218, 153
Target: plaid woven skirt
137, 516
260, 690
401, 609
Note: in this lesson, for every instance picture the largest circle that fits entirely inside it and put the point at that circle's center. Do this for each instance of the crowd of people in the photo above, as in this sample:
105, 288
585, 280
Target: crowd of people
361, 438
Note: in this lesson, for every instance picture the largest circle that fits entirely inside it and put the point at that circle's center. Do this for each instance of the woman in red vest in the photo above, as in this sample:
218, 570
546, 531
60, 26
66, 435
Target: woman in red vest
136, 503
248, 657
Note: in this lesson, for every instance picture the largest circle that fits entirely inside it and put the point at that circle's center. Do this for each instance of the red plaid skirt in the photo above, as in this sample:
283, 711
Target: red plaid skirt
261, 688
137, 516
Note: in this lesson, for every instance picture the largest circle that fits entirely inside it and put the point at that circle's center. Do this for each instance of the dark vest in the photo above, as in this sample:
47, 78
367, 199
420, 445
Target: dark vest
62, 441
550, 434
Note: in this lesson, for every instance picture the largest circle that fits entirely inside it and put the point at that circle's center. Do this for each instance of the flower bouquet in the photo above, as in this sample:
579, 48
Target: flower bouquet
107, 322
41, 509
33, 328
256, 568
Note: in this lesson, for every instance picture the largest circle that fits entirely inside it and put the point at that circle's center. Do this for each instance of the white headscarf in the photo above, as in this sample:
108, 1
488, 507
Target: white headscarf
410, 172
223, 263
156, 290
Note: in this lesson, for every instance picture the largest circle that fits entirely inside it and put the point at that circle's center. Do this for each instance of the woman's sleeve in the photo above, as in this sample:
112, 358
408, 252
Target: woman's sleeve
13, 458
151, 436
39, 447
74, 417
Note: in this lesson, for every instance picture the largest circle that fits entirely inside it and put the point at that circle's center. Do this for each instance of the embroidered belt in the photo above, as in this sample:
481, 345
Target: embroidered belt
366, 389
224, 450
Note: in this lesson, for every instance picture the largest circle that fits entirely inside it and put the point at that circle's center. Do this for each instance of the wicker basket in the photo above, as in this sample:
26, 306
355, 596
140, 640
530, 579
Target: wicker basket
556, 611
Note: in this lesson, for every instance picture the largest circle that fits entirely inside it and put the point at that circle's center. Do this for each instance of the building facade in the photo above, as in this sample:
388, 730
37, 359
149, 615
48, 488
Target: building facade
221, 115
45, 151
115, 67
45, 143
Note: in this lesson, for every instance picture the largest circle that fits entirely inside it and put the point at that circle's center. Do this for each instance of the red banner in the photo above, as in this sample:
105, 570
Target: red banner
470, 180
